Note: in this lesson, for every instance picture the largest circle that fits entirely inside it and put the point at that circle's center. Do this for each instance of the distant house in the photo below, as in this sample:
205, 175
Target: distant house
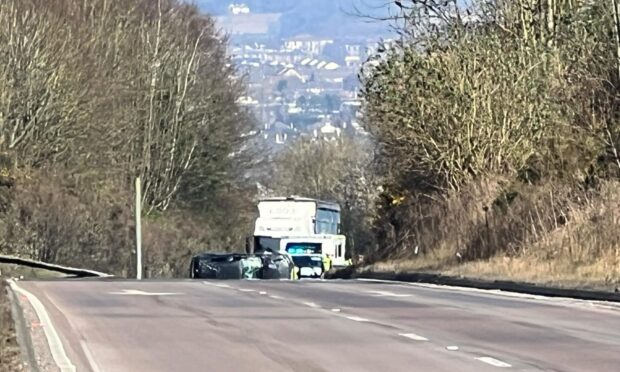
279, 133
353, 49
237, 9
328, 131
308, 44
324, 131
292, 108
353, 61
289, 72
294, 79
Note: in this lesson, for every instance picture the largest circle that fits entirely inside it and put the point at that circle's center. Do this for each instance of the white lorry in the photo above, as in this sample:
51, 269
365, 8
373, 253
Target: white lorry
299, 226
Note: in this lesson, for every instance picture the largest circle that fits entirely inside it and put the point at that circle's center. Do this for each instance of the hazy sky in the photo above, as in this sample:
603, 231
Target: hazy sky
333, 18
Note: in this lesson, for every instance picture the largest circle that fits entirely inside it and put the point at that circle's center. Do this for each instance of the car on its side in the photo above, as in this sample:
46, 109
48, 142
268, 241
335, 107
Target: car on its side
266, 265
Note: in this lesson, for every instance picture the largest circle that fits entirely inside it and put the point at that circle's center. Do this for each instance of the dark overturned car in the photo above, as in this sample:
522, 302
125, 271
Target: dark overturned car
265, 265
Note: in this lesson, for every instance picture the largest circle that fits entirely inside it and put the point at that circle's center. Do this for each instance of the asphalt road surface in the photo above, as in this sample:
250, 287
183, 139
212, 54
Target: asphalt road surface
341, 326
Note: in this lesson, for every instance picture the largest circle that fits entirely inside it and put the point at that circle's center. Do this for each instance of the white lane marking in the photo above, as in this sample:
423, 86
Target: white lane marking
413, 336
311, 304
246, 290
388, 294
357, 319
262, 292
135, 292
452, 348
89, 357
223, 285
336, 310
58, 352
276, 297
494, 362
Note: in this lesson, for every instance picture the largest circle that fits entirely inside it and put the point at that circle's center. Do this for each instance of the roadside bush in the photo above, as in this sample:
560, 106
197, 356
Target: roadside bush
548, 232
498, 130
51, 219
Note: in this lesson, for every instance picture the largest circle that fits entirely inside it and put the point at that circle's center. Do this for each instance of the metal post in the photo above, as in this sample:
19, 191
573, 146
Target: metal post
138, 229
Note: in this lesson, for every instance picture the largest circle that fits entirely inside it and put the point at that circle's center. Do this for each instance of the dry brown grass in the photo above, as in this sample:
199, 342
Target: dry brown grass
546, 234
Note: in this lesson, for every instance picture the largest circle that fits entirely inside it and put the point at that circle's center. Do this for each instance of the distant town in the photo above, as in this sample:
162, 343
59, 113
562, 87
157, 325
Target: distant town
300, 86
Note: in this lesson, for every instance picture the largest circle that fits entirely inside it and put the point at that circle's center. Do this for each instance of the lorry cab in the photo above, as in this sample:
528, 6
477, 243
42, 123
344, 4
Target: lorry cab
296, 225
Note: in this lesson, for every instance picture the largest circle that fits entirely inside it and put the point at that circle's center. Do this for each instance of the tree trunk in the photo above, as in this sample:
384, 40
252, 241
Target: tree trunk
616, 10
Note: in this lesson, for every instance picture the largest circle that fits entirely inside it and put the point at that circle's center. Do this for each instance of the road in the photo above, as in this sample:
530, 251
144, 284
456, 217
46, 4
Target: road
342, 326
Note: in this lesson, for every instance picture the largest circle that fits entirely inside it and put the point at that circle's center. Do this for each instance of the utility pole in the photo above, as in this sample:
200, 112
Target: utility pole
138, 229
610, 132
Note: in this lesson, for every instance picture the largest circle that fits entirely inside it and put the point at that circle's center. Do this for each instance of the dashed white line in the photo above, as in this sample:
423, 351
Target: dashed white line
357, 319
311, 304
246, 290
336, 310
276, 297
452, 348
262, 292
136, 292
388, 294
58, 352
223, 285
413, 336
494, 362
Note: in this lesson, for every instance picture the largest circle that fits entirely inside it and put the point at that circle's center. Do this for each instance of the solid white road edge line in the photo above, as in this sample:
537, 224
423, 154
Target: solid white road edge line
494, 362
413, 336
58, 352
89, 357
357, 319
564, 301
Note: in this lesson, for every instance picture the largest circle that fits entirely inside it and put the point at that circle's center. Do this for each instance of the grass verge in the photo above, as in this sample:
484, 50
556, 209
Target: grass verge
592, 276
10, 355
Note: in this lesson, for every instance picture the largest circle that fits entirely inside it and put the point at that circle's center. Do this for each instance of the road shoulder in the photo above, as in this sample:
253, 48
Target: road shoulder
499, 285
45, 342
12, 347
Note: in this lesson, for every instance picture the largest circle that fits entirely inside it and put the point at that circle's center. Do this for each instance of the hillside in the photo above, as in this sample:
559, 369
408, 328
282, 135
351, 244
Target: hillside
333, 18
